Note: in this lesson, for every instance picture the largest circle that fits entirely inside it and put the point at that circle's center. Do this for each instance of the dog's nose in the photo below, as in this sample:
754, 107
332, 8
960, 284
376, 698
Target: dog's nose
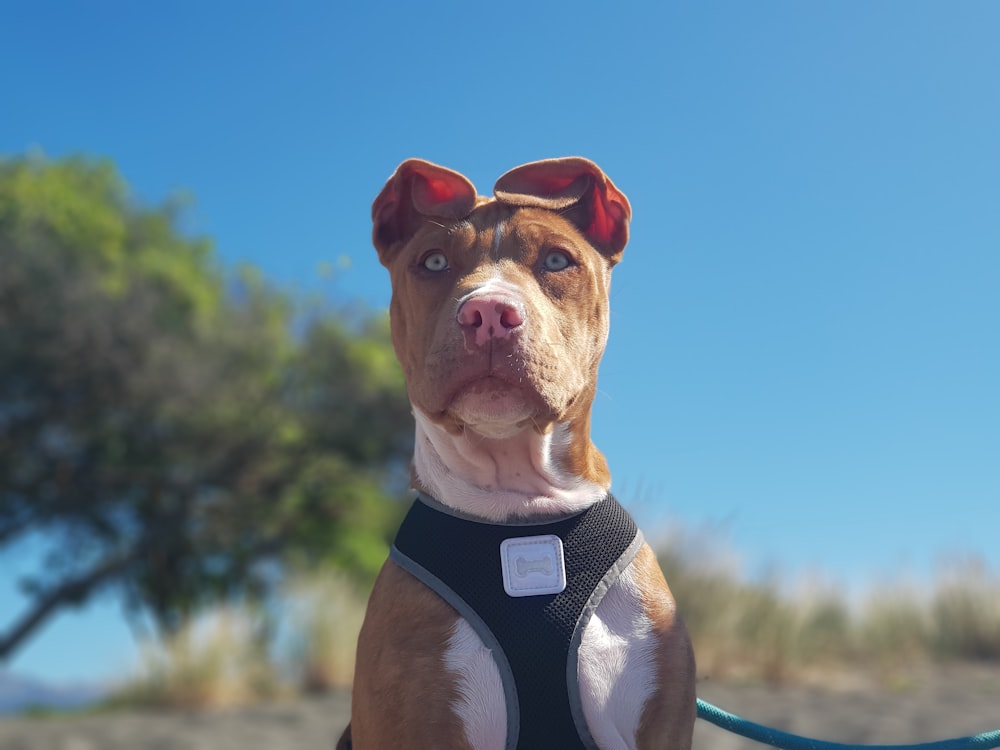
488, 317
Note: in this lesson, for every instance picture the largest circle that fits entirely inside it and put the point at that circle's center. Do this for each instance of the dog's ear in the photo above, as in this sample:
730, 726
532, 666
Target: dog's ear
577, 189
418, 190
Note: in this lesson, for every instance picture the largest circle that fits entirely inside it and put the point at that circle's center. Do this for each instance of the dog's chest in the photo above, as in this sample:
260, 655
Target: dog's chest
615, 674
529, 597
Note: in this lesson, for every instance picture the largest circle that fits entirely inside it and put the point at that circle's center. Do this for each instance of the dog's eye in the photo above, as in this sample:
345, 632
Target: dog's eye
435, 261
556, 260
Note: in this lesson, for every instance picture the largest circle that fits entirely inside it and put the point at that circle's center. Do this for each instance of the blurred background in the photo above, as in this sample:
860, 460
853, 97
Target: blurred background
203, 431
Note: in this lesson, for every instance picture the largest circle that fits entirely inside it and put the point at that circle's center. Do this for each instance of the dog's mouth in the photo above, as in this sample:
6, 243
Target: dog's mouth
484, 375
494, 406
503, 389
492, 386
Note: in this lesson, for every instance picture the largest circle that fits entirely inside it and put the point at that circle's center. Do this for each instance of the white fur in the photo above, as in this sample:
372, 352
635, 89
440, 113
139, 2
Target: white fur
502, 470
481, 705
615, 674
616, 670
499, 478
497, 238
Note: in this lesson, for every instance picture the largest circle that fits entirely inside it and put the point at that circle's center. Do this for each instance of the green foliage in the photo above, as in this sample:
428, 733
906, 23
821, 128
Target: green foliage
176, 430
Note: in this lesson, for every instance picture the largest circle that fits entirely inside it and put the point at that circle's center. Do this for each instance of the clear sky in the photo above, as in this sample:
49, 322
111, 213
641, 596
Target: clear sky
805, 345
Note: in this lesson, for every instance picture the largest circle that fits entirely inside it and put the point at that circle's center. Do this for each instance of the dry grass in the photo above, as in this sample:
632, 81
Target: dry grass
226, 658
965, 614
742, 630
217, 661
327, 611
745, 630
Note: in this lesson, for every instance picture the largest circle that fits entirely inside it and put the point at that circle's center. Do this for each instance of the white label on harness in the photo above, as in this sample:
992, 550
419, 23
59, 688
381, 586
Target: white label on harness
533, 565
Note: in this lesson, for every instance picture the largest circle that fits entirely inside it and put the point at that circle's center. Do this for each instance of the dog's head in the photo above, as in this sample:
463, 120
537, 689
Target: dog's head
499, 306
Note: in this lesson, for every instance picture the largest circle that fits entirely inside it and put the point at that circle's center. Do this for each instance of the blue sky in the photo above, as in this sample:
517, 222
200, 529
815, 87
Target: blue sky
804, 352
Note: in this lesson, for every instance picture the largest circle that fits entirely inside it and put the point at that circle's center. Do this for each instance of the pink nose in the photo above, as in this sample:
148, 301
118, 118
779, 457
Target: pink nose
488, 317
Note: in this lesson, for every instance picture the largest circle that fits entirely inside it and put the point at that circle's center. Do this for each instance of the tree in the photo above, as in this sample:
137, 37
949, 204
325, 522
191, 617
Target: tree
160, 423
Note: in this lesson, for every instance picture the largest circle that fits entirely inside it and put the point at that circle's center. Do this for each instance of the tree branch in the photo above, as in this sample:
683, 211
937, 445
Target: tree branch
69, 591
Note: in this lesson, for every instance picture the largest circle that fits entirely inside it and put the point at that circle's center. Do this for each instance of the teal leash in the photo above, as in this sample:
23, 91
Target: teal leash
785, 741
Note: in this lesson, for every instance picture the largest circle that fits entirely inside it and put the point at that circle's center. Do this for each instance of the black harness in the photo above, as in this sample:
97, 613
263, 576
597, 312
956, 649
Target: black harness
534, 637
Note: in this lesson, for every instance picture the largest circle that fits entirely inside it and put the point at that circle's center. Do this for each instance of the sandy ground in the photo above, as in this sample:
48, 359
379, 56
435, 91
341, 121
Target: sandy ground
951, 704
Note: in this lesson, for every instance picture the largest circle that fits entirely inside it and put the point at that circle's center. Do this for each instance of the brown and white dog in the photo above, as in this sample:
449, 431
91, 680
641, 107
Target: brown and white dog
499, 318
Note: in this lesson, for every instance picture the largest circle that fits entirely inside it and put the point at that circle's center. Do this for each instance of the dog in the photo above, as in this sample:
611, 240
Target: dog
519, 607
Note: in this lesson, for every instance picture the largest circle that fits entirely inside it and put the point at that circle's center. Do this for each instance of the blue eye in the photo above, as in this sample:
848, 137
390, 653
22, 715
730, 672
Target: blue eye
436, 261
556, 260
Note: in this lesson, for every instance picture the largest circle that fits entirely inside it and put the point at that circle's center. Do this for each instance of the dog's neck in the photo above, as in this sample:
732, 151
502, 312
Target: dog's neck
499, 479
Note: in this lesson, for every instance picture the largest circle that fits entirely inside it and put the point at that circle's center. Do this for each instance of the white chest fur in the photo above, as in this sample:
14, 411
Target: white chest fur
615, 673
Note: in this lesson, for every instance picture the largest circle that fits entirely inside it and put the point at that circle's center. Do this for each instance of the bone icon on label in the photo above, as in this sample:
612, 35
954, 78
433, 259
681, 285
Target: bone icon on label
523, 566
533, 565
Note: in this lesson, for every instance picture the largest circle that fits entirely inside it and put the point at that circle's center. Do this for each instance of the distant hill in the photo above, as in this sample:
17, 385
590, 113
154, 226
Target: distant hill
19, 692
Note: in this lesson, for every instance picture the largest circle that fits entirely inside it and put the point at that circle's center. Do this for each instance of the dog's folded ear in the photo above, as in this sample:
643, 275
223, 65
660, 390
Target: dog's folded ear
418, 190
577, 189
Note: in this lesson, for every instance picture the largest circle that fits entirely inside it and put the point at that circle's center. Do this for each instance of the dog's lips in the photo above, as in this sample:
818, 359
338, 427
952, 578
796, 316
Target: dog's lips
502, 385
494, 401
487, 387
485, 374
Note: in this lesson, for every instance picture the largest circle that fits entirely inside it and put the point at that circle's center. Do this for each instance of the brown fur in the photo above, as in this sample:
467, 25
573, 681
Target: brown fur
401, 647
668, 718
435, 361
548, 374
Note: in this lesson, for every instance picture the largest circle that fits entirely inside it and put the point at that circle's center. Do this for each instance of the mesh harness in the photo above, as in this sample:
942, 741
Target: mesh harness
534, 639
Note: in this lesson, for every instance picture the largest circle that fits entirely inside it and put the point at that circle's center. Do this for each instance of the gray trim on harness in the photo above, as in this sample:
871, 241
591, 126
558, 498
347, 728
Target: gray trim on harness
572, 664
470, 615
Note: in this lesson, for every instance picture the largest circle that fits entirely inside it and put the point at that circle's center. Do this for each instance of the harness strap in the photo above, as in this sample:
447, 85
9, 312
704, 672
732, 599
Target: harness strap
534, 639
